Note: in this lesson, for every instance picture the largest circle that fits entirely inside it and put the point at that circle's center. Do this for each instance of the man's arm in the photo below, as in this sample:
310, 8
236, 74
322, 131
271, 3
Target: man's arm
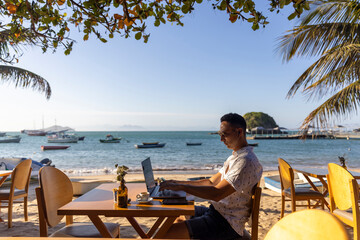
211, 192
213, 181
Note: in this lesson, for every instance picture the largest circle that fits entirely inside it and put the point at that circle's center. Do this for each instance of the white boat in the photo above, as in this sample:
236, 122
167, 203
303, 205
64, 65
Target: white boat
2, 134
62, 137
10, 139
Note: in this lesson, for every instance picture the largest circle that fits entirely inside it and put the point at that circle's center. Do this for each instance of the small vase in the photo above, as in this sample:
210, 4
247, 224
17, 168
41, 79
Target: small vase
122, 195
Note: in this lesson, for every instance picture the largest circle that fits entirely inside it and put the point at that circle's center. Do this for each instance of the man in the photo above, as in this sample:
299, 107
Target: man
229, 190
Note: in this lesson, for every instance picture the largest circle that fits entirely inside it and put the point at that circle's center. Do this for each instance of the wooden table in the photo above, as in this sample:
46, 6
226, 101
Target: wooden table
4, 174
320, 174
100, 202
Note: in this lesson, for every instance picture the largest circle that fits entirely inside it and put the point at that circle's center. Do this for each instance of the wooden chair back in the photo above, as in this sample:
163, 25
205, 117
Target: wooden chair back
255, 212
286, 174
308, 224
340, 186
55, 191
20, 177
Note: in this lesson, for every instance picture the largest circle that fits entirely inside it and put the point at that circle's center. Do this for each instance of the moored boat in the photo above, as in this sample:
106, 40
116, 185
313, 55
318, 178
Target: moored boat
54, 147
110, 139
35, 132
62, 137
81, 138
157, 145
10, 139
193, 143
253, 144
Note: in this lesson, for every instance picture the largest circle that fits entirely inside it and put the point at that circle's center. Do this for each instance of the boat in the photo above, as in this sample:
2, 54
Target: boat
273, 182
35, 132
11, 162
10, 139
54, 147
2, 134
110, 139
62, 137
150, 143
157, 145
253, 144
193, 143
81, 138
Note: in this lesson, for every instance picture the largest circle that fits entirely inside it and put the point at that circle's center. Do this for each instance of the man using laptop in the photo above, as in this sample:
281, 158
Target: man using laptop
229, 190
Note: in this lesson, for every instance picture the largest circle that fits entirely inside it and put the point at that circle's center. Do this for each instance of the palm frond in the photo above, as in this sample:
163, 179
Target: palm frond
336, 69
333, 11
315, 40
343, 103
24, 79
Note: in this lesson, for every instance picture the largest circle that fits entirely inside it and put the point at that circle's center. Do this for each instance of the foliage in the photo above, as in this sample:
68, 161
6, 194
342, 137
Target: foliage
48, 22
259, 119
330, 31
121, 171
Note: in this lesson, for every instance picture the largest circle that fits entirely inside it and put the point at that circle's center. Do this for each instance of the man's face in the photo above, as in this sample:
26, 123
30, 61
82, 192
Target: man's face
230, 136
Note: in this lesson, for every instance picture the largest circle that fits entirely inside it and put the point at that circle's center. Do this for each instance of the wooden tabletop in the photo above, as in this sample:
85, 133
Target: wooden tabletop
320, 172
100, 201
54, 238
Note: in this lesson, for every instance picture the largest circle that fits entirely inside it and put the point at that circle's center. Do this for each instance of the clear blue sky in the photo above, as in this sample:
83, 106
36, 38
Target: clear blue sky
184, 78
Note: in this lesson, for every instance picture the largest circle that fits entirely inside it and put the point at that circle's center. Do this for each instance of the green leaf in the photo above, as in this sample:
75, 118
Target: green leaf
292, 16
198, 1
111, 35
162, 20
138, 36
223, 5
157, 23
185, 9
255, 26
103, 40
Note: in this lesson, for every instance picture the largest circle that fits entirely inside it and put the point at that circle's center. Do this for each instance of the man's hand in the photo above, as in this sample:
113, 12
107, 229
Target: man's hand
170, 184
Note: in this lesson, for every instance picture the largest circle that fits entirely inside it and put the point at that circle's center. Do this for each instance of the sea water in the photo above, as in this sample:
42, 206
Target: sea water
92, 157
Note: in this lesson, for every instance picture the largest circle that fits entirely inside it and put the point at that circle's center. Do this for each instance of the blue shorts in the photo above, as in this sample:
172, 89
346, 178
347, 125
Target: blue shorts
209, 224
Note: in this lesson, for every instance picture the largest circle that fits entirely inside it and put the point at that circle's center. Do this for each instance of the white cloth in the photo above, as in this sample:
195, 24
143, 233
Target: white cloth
242, 170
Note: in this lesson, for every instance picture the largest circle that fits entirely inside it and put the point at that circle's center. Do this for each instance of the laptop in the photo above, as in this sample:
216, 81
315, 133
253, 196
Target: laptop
153, 188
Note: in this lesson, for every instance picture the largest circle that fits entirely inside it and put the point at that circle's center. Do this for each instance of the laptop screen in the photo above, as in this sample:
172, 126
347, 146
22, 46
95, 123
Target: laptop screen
148, 173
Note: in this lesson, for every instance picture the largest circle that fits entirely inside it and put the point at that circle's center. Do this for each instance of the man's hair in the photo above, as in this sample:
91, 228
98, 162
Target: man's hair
235, 120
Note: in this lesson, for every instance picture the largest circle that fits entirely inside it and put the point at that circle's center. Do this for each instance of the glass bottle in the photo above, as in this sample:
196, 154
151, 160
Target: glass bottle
122, 195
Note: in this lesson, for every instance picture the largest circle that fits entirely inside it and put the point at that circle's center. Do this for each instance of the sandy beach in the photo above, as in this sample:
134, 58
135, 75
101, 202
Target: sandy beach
269, 210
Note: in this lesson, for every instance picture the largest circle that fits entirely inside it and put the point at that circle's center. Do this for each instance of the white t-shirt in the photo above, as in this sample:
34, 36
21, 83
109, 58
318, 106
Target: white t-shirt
242, 170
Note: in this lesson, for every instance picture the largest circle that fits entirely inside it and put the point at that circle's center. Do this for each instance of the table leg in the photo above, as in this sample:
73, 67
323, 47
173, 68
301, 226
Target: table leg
165, 227
137, 227
155, 226
316, 189
100, 226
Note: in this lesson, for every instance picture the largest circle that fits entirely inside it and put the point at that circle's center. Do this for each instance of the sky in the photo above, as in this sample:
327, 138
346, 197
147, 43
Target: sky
184, 78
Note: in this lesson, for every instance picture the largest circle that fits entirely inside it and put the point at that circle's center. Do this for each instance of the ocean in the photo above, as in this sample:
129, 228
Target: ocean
90, 157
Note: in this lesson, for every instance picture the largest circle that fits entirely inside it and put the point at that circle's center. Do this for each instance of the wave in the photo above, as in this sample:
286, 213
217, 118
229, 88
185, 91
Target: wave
110, 171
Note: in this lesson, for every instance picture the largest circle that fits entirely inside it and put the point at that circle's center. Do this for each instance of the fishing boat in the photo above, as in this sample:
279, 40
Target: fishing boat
193, 143
110, 139
62, 137
44, 148
10, 139
35, 132
148, 145
81, 138
253, 144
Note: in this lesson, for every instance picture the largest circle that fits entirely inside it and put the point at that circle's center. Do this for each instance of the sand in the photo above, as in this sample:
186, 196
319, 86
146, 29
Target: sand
269, 211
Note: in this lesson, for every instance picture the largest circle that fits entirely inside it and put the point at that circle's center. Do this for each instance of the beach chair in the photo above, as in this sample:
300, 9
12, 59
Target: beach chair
20, 179
344, 197
55, 191
311, 224
288, 190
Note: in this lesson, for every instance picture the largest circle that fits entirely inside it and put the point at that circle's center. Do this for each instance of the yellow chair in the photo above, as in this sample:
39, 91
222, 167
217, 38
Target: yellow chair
54, 192
309, 224
255, 212
288, 190
344, 196
20, 179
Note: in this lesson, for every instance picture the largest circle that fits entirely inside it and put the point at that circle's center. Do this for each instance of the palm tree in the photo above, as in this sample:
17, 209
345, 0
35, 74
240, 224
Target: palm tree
10, 42
330, 31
